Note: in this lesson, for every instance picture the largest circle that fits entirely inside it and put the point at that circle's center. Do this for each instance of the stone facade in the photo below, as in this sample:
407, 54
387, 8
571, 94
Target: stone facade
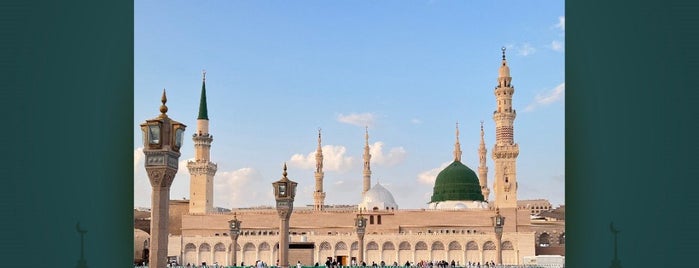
392, 236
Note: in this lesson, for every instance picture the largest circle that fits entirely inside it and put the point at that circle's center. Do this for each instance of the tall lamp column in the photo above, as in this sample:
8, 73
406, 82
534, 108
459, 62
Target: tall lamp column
162, 139
498, 223
284, 193
234, 225
360, 226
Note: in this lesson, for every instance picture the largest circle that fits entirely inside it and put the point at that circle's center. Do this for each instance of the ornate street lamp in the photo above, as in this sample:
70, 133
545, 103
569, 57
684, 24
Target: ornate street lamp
234, 226
284, 193
360, 226
162, 139
498, 223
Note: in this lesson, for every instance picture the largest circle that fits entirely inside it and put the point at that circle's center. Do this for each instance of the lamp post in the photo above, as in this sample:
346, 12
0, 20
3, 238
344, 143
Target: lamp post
162, 139
234, 226
360, 226
498, 223
284, 193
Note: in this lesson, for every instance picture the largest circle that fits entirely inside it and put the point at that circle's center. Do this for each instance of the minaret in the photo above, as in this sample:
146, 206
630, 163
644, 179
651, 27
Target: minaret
319, 195
457, 145
367, 162
505, 150
482, 168
202, 170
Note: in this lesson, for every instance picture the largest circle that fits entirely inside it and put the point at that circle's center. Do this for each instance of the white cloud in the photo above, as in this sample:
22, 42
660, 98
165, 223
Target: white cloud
557, 46
244, 187
334, 159
547, 97
416, 121
364, 119
395, 156
524, 49
561, 23
428, 177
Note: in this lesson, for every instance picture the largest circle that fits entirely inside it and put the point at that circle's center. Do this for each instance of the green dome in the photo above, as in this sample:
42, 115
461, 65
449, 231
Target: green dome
457, 182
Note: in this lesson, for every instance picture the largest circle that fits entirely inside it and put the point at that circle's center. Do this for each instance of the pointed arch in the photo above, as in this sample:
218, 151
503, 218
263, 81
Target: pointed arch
249, 247
421, 246
372, 246
472, 245
204, 253
404, 246
325, 246
544, 240
388, 246
507, 245
489, 246
437, 245
454, 245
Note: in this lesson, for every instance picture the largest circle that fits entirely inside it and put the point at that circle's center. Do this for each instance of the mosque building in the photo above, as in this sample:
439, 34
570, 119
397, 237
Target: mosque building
457, 225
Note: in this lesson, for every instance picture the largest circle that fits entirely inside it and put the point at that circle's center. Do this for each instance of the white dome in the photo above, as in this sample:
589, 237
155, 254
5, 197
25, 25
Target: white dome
378, 197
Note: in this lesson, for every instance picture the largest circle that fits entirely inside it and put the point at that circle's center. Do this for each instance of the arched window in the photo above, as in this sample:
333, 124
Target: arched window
489, 246
388, 246
544, 240
437, 246
340, 246
507, 245
372, 246
324, 246
472, 245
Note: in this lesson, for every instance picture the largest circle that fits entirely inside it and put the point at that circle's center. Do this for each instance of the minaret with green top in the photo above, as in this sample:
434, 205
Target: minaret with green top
202, 170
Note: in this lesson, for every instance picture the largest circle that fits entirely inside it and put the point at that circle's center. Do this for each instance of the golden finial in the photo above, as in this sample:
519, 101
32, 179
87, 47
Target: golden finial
163, 108
503, 52
284, 173
203, 74
235, 215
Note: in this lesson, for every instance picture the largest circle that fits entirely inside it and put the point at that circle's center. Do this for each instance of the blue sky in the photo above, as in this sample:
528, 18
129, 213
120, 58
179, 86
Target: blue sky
279, 70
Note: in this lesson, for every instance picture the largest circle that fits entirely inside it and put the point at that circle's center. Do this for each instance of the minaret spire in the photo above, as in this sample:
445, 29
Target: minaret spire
202, 170
505, 150
319, 195
367, 162
482, 167
457, 145
203, 112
